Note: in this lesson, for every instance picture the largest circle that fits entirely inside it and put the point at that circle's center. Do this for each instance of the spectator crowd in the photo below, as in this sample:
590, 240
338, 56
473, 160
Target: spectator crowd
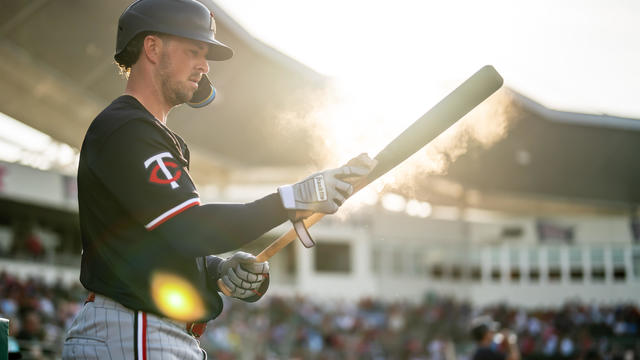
298, 327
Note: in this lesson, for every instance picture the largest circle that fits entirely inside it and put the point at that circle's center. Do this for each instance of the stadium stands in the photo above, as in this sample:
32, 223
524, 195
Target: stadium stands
299, 327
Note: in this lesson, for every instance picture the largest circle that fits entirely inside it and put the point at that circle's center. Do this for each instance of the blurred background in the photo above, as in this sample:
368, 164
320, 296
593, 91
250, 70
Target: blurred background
526, 210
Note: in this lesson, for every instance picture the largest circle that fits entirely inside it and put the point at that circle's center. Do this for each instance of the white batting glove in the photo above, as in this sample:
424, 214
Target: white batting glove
325, 191
242, 275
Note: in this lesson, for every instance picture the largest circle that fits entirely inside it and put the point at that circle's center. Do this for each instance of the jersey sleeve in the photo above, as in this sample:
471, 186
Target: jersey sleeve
145, 171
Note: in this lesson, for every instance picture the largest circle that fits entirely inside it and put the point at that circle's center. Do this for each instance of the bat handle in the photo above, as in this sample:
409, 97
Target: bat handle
288, 237
276, 246
300, 226
303, 234
225, 290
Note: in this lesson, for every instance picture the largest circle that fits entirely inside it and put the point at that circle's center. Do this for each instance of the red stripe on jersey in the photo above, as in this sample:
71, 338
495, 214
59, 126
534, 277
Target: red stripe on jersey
144, 336
171, 213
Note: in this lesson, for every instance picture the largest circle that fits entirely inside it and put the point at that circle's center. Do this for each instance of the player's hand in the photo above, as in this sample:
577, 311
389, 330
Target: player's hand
243, 276
325, 191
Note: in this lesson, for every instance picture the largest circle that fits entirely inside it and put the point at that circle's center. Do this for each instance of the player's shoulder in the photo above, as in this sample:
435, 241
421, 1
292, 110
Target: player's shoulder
125, 116
125, 110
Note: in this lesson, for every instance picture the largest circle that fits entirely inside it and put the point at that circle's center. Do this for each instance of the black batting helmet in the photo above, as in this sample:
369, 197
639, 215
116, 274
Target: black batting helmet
185, 18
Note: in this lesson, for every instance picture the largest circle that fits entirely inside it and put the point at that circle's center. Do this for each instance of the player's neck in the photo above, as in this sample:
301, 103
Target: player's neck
149, 95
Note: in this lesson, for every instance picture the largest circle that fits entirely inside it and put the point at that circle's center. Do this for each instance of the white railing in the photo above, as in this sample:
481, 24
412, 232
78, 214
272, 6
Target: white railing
527, 275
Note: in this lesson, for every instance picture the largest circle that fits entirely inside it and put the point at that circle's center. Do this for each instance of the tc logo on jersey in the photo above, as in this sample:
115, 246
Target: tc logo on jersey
163, 166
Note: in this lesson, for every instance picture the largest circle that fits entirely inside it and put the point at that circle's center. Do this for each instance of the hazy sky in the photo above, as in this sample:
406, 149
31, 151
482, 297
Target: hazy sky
570, 55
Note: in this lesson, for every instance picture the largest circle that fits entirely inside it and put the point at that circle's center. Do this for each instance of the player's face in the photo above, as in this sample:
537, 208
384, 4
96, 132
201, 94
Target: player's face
182, 64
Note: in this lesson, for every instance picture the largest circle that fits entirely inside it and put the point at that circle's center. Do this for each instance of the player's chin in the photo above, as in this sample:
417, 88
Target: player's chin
184, 95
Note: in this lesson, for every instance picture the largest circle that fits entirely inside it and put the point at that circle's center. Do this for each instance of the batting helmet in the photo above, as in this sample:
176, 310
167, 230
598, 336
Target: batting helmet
185, 18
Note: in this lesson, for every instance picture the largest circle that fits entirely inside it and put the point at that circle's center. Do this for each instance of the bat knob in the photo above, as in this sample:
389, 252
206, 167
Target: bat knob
303, 234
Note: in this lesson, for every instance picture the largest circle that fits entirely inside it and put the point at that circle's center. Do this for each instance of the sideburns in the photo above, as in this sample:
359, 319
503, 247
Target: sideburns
164, 67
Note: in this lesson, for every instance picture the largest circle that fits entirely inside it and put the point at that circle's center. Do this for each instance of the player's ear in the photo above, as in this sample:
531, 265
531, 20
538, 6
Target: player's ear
152, 48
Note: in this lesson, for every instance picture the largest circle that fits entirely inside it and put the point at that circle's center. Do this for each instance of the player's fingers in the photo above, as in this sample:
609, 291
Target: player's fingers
248, 276
230, 286
256, 267
344, 188
239, 283
234, 290
363, 160
242, 294
242, 283
351, 171
338, 199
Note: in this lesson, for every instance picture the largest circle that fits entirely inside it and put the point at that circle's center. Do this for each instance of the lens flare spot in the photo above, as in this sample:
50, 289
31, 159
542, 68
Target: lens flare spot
176, 298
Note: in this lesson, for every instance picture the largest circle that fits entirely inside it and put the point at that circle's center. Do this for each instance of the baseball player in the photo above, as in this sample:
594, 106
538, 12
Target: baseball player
145, 231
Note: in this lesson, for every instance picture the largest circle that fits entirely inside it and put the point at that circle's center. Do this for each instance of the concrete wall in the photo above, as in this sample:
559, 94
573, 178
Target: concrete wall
26, 184
394, 258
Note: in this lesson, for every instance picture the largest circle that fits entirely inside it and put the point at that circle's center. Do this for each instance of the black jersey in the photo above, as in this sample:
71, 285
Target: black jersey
133, 181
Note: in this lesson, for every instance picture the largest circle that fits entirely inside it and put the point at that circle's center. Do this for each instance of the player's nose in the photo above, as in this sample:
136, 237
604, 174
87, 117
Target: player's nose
203, 66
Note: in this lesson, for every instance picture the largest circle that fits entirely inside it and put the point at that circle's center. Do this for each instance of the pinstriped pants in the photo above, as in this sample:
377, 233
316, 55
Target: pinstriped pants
104, 329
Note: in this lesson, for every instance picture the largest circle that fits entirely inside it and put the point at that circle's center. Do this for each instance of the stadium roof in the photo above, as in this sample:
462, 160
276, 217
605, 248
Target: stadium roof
549, 154
57, 72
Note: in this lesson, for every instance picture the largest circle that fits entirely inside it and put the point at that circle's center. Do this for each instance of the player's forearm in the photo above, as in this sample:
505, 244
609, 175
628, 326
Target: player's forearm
218, 228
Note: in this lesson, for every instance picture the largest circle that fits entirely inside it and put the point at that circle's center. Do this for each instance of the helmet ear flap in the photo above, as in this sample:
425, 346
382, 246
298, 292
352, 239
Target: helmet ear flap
204, 94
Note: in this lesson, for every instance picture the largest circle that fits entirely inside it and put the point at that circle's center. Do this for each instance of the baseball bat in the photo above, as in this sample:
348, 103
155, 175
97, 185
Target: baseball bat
449, 110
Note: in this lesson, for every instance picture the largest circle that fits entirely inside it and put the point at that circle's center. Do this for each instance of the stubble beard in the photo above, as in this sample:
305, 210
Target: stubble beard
174, 92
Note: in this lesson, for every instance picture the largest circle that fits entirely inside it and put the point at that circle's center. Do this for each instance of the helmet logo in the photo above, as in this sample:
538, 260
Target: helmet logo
212, 26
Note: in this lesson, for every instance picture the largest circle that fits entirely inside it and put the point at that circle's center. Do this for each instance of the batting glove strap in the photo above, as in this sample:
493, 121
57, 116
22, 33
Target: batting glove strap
286, 194
309, 194
322, 192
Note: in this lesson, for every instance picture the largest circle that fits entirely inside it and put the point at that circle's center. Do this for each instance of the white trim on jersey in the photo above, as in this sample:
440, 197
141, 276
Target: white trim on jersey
288, 199
141, 336
171, 213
